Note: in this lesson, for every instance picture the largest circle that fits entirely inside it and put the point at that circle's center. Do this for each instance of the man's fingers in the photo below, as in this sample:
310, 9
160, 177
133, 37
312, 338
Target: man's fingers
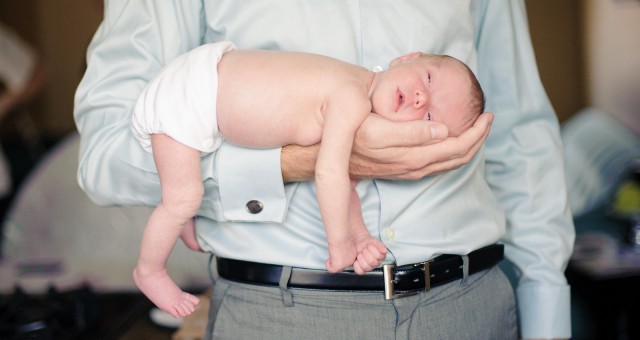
467, 144
481, 128
380, 133
411, 150
457, 151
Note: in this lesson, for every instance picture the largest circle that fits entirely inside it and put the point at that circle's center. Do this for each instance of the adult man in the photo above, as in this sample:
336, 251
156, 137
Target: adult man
249, 215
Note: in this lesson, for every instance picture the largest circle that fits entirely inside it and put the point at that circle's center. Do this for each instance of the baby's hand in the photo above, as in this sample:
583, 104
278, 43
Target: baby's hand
371, 253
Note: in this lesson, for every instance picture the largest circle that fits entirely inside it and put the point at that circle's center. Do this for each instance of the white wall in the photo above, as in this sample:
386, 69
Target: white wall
65, 29
612, 42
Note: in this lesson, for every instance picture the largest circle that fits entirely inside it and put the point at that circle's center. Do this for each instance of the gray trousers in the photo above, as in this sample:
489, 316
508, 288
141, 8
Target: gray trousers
482, 306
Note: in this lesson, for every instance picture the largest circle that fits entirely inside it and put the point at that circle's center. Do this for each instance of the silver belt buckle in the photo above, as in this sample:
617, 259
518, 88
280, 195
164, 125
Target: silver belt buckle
390, 282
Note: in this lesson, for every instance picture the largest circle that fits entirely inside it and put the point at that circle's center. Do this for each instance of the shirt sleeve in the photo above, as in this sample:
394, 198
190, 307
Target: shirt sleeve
525, 168
135, 40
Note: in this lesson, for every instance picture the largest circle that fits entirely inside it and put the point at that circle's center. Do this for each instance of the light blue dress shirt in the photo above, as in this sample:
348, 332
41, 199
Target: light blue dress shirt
513, 191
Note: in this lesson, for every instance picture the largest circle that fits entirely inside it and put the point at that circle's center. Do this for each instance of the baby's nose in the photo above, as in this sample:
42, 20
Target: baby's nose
419, 99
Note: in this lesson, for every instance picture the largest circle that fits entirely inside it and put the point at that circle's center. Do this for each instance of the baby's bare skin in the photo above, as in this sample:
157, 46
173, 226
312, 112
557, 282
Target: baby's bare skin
270, 99
305, 98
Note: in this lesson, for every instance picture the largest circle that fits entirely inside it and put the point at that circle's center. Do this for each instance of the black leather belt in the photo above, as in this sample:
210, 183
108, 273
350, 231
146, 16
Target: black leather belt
394, 281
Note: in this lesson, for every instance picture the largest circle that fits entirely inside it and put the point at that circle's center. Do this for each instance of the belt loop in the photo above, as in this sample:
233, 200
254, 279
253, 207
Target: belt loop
465, 268
287, 297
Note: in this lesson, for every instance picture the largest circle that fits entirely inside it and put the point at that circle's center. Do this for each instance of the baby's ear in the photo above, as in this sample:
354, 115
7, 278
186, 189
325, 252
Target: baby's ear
406, 57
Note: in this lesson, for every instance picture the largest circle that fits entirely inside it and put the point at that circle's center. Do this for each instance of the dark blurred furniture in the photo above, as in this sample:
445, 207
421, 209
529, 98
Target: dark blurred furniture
78, 314
605, 293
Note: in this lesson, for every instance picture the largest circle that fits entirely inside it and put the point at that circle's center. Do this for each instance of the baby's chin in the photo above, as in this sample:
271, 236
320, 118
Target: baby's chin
455, 132
385, 114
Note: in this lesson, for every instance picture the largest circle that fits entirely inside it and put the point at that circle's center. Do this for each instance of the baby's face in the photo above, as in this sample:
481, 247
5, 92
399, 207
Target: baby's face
426, 89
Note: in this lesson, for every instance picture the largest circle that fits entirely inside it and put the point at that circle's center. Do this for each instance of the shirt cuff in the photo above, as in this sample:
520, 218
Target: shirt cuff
251, 185
545, 311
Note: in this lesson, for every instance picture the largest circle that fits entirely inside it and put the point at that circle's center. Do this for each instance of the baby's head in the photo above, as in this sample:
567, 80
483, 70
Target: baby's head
430, 87
462, 110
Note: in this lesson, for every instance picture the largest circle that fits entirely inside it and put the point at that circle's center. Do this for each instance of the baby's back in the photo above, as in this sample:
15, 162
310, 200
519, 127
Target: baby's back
271, 98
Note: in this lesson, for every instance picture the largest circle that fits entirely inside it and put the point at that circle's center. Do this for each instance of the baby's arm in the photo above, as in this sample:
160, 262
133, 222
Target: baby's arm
342, 117
371, 251
182, 190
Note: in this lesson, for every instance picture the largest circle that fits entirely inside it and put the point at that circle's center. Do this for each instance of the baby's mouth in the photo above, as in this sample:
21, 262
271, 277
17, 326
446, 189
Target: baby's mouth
399, 101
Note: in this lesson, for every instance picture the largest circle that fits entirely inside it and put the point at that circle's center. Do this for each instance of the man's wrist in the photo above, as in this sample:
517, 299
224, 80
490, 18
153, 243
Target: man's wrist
298, 162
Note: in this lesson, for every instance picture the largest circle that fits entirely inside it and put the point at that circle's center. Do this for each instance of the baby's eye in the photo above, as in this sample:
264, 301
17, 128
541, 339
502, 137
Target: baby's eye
428, 115
429, 78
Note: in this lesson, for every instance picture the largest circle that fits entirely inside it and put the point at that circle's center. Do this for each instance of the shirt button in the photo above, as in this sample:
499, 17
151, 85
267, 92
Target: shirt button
389, 233
254, 207
377, 68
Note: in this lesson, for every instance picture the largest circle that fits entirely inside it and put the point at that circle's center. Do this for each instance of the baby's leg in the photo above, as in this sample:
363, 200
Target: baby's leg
188, 235
182, 190
371, 251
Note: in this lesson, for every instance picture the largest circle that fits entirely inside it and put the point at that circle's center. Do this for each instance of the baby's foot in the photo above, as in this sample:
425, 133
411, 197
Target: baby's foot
164, 293
341, 256
371, 253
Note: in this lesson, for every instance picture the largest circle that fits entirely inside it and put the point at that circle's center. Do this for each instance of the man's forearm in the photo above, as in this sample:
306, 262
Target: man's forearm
298, 162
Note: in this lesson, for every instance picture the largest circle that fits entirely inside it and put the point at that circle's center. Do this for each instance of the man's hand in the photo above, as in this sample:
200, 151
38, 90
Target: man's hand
412, 150
395, 150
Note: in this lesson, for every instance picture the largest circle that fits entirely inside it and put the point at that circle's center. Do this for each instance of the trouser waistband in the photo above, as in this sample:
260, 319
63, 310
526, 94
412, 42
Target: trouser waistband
394, 281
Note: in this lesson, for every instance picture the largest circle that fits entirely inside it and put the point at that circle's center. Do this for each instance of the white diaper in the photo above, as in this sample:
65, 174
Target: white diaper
181, 101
